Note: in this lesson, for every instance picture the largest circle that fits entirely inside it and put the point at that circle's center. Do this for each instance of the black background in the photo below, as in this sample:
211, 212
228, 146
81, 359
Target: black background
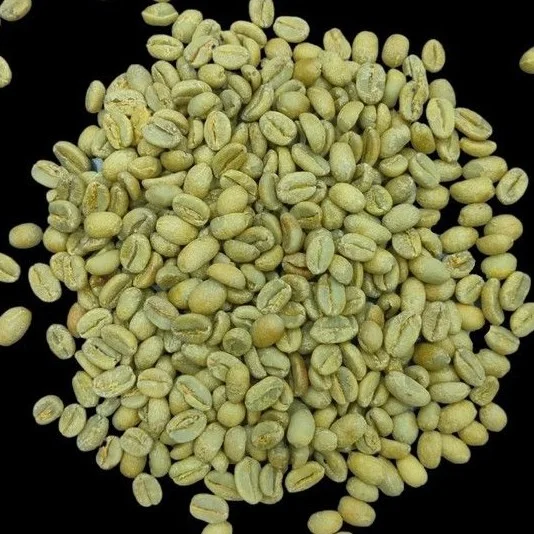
55, 52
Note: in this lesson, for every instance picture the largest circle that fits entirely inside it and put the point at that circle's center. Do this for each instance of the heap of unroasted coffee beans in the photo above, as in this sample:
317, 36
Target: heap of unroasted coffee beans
262, 301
